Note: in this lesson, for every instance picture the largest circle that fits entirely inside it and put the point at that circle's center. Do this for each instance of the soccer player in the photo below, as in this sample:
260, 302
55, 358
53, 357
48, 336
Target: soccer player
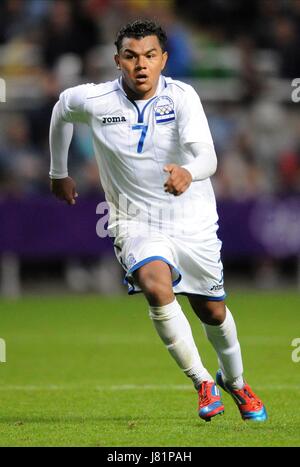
154, 149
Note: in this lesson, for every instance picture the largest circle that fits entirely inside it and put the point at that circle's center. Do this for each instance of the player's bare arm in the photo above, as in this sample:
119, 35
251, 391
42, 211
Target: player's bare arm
178, 181
64, 189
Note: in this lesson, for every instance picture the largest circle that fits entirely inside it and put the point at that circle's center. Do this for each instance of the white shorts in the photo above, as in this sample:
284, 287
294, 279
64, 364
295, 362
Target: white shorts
195, 263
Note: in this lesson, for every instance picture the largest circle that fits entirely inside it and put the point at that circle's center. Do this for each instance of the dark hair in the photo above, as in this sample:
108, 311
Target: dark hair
138, 29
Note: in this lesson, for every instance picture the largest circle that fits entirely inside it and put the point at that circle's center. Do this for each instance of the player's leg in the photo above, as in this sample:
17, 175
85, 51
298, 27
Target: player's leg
220, 329
155, 281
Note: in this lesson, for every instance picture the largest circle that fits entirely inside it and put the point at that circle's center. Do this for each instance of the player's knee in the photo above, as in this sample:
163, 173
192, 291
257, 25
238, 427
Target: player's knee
156, 287
212, 312
156, 291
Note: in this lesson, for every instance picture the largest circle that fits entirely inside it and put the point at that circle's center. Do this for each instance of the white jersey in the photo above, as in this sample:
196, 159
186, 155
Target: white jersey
133, 141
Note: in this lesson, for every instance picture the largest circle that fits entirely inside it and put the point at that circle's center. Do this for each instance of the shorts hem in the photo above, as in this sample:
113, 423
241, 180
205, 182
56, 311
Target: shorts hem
132, 291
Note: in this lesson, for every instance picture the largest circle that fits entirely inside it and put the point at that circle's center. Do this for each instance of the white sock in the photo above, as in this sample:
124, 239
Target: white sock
175, 331
225, 342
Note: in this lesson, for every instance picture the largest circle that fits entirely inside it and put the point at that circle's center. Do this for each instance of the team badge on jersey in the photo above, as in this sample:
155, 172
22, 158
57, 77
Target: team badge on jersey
164, 110
130, 260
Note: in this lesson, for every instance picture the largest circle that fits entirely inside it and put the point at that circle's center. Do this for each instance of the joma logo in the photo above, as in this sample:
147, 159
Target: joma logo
113, 119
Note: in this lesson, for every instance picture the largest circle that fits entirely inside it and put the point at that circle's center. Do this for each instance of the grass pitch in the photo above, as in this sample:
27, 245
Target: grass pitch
91, 371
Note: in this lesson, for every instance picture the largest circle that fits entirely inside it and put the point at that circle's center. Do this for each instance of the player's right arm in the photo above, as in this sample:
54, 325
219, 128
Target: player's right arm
69, 109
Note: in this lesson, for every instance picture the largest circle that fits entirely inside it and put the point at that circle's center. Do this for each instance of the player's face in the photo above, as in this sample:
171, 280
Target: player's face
141, 61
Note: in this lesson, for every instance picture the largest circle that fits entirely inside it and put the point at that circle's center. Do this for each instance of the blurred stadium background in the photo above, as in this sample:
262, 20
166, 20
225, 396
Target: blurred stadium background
241, 57
87, 368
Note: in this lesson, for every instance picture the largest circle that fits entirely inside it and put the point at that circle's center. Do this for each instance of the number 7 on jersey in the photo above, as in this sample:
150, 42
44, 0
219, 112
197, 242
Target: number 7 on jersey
144, 129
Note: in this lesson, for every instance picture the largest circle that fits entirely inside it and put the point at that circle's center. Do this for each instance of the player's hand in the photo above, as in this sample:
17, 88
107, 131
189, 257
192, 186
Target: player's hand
64, 189
178, 181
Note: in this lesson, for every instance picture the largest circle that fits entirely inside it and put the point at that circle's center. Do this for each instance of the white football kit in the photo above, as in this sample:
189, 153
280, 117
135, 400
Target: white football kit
133, 141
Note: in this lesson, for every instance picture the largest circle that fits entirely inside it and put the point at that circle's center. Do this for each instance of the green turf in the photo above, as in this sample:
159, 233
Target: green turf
89, 371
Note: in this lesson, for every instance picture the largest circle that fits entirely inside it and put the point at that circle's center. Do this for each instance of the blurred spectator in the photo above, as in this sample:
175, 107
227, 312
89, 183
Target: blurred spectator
37, 9
272, 134
264, 24
296, 13
249, 76
224, 123
23, 170
53, 44
39, 117
289, 168
233, 17
179, 46
287, 37
67, 32
289, 171
13, 21
238, 176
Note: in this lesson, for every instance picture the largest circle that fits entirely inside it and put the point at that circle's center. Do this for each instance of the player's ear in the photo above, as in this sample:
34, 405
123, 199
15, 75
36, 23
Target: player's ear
117, 61
164, 60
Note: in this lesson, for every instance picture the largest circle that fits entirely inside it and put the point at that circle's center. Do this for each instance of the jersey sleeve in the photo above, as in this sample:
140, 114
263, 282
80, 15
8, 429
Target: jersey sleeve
192, 122
73, 104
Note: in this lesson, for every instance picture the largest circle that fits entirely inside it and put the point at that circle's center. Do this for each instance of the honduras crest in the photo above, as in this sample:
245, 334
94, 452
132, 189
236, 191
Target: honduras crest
164, 110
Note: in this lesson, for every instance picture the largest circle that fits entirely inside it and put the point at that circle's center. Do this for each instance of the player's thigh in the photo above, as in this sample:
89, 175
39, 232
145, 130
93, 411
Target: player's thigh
155, 278
209, 311
153, 274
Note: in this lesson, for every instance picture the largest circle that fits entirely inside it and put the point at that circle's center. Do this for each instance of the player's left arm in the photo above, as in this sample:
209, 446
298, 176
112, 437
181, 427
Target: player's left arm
203, 166
195, 137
